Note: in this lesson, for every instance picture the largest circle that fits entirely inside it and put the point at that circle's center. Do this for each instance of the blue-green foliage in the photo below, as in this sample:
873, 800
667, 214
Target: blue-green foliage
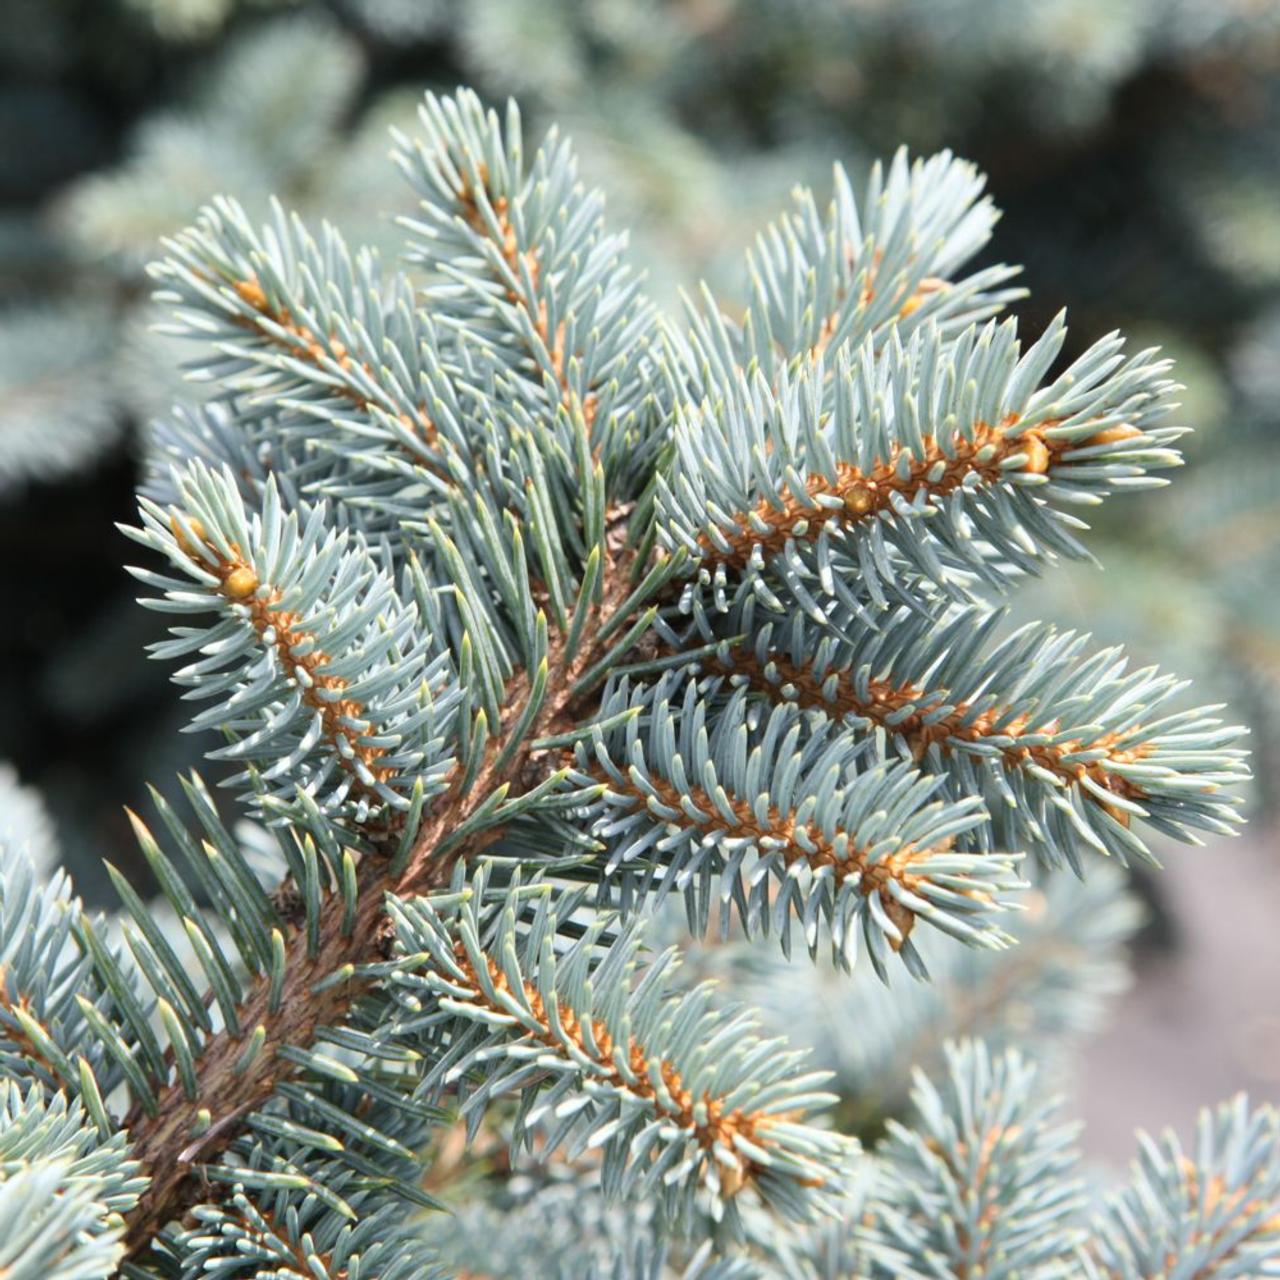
65, 1176
680, 1097
759, 481
322, 592
1053, 985
1206, 1209
986, 1181
481, 572
1067, 746
779, 823
842, 276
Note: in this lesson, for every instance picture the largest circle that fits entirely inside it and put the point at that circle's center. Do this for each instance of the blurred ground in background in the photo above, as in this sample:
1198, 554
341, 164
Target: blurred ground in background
1203, 1017
1134, 146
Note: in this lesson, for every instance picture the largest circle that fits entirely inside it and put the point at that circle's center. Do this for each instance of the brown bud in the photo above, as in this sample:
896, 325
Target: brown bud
1037, 454
180, 533
240, 583
732, 1179
930, 284
859, 500
1120, 815
252, 293
902, 916
1112, 435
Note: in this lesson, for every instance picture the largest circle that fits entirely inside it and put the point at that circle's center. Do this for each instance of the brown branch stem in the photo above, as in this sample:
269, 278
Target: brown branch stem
853, 496
269, 322
674, 1100
172, 1142
885, 702
780, 831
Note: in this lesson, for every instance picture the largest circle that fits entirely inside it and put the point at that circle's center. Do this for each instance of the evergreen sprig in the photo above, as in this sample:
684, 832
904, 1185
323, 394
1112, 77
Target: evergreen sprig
986, 1183
1068, 747
679, 1096
1211, 1209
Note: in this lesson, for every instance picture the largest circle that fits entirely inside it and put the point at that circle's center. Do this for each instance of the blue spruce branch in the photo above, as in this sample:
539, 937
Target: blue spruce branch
518, 608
